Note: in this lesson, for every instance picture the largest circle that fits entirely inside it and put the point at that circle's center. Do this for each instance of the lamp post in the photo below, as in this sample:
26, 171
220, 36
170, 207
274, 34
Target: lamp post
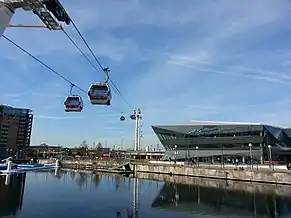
270, 156
197, 156
251, 154
175, 146
121, 143
188, 136
187, 153
222, 154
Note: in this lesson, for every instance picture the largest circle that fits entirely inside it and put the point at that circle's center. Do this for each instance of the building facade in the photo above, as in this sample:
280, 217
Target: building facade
15, 130
225, 139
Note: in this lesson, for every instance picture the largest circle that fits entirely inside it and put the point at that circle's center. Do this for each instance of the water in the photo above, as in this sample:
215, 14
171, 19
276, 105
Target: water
72, 195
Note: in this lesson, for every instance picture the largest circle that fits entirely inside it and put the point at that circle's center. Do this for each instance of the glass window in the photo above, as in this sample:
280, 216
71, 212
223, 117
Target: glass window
100, 88
72, 101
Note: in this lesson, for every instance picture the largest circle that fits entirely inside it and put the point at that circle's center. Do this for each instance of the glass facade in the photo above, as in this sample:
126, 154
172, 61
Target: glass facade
233, 139
7, 110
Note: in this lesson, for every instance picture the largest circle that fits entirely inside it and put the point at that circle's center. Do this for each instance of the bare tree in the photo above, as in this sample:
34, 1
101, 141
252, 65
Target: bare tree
84, 144
99, 146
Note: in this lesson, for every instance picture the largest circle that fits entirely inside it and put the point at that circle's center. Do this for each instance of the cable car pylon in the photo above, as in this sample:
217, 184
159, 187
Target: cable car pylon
137, 117
50, 12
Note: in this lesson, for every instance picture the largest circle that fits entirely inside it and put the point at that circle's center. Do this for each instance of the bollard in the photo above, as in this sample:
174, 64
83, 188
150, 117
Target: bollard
9, 166
57, 163
7, 179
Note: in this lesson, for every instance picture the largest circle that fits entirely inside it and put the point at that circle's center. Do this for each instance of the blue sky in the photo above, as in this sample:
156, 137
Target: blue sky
176, 60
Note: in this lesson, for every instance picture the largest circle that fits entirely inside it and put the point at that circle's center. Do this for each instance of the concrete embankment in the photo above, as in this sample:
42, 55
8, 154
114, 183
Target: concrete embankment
271, 189
92, 165
249, 175
267, 189
262, 175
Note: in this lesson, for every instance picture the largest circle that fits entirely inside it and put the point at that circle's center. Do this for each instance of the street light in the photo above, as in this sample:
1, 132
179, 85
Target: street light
175, 146
222, 154
270, 156
197, 157
251, 154
188, 136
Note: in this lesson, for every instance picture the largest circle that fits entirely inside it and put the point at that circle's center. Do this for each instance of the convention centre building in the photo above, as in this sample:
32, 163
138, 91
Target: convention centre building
206, 139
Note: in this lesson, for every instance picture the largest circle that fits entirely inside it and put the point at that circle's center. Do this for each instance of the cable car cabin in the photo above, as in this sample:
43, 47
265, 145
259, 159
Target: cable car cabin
73, 103
100, 94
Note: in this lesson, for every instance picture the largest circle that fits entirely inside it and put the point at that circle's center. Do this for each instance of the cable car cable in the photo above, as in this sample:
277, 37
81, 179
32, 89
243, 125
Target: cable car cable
98, 62
80, 50
42, 63
84, 40
103, 69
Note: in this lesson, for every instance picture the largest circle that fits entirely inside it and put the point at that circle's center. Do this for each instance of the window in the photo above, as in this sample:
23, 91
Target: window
72, 101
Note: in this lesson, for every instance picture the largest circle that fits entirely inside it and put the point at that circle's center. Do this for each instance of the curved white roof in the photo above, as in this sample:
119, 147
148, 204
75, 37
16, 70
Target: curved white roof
205, 123
196, 122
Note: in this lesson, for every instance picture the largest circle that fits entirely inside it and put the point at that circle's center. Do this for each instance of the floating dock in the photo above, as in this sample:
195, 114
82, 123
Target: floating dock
11, 168
120, 168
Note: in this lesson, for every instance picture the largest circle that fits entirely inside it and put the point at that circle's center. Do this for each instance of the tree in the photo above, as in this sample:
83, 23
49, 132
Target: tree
83, 148
97, 149
99, 146
84, 144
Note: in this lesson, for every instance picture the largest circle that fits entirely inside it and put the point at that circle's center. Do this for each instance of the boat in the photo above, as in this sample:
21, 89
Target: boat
11, 168
4, 166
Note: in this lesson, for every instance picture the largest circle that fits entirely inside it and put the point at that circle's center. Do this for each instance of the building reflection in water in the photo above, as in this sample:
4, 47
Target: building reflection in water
217, 201
11, 193
85, 179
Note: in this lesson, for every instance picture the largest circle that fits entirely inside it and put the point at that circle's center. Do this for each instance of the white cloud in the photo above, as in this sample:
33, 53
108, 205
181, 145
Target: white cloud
234, 71
55, 118
47, 95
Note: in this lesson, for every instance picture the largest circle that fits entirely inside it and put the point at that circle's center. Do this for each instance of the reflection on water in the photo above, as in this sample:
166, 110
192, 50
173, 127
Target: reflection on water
11, 194
82, 194
216, 201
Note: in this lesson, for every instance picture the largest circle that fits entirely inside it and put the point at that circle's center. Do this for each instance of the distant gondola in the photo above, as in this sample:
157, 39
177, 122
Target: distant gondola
122, 118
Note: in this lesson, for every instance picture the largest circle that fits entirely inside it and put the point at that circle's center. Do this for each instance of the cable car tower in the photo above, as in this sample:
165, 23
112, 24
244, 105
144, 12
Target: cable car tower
50, 12
137, 117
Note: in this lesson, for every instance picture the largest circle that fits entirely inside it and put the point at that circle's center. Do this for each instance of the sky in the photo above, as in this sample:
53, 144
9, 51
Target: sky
176, 60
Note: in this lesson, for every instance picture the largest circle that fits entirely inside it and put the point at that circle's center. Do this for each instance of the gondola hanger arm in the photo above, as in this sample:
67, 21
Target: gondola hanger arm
106, 71
71, 89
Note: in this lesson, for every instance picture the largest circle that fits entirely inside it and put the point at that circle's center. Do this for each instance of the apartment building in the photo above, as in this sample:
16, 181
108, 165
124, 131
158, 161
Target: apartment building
15, 130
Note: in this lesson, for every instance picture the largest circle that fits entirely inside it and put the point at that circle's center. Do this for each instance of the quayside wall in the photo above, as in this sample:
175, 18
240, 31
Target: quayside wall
231, 185
261, 174
216, 172
271, 189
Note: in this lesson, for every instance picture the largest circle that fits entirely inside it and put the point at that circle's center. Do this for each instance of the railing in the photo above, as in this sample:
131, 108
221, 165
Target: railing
252, 167
105, 161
